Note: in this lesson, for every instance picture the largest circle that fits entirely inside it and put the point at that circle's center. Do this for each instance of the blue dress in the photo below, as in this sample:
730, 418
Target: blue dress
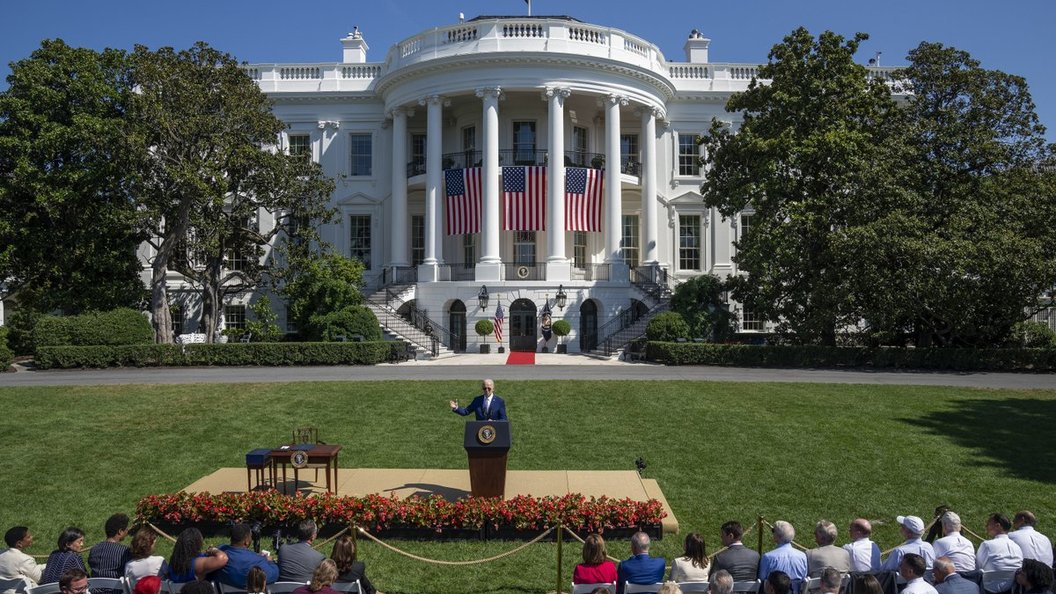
187, 576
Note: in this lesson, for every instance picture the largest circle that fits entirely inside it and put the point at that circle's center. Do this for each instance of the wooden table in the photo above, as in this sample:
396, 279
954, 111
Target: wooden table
317, 454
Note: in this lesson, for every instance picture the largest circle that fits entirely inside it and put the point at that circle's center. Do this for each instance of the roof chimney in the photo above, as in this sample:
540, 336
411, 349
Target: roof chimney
697, 48
354, 48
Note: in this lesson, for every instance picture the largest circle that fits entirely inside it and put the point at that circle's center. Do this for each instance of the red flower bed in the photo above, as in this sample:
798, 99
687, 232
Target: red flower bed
377, 512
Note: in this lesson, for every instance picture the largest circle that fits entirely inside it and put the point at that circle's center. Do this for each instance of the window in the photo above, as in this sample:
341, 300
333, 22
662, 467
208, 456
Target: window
469, 138
359, 239
746, 224
688, 155
629, 241
750, 321
629, 158
235, 317
578, 155
176, 313
579, 249
524, 247
291, 325
689, 243
469, 250
524, 143
301, 146
362, 154
417, 155
417, 239
235, 260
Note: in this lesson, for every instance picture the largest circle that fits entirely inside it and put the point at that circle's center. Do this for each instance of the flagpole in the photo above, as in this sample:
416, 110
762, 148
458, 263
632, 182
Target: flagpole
529, 7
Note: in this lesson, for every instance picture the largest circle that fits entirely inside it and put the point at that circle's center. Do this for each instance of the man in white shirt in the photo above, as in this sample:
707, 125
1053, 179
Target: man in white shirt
912, 528
14, 563
1034, 544
865, 554
958, 549
999, 553
911, 567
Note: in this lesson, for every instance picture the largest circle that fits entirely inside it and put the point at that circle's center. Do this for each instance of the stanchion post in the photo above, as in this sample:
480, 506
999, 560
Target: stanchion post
560, 534
759, 530
355, 535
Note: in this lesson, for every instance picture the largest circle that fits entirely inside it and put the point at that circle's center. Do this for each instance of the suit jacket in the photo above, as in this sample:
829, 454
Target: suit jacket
297, 562
640, 569
828, 556
956, 584
497, 412
740, 561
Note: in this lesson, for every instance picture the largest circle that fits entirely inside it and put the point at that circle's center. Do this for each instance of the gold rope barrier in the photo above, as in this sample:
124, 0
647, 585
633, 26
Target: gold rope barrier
711, 557
331, 539
581, 541
441, 562
160, 531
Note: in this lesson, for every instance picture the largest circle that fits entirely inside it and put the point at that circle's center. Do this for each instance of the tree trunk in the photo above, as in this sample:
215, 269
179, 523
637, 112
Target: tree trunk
159, 304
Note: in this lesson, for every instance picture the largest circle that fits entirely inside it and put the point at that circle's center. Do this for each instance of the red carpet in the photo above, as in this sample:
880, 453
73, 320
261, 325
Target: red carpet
520, 358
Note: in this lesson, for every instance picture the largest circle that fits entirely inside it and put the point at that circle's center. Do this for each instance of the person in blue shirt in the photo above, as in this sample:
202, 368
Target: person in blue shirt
784, 558
640, 568
241, 558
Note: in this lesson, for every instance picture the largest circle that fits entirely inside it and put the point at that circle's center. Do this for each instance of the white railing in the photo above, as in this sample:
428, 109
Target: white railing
300, 73
313, 77
368, 71
746, 72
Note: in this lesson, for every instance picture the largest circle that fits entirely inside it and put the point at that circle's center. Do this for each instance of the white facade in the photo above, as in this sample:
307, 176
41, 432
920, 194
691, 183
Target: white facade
548, 91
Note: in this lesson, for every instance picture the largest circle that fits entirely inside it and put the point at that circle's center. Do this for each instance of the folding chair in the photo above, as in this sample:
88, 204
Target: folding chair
642, 588
350, 587
16, 584
588, 588
227, 589
285, 587
746, 587
101, 583
990, 578
693, 586
51, 588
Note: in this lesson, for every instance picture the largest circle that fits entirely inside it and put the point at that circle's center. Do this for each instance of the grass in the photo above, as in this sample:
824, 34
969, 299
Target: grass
720, 451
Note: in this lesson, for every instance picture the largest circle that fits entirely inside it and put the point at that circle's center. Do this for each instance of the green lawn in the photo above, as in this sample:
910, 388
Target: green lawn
799, 452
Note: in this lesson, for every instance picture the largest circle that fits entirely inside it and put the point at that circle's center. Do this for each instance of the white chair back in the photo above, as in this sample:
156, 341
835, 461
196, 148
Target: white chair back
588, 588
990, 578
52, 588
693, 586
100, 583
642, 588
285, 587
351, 587
746, 587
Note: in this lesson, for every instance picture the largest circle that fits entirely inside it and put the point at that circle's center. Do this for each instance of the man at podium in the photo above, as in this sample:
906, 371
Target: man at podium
487, 406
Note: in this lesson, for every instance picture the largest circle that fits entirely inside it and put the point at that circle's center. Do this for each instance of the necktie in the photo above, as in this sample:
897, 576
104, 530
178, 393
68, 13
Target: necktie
487, 407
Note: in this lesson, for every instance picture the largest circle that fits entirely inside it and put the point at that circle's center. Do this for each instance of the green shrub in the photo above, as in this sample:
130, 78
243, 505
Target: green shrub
1032, 335
484, 327
666, 327
20, 330
347, 322
118, 327
561, 328
263, 327
6, 355
256, 354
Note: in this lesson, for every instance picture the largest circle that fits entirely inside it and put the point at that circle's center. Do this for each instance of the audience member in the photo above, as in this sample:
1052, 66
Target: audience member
831, 579
108, 558
297, 561
188, 563
67, 556
148, 584
864, 553
15, 563
197, 587
777, 582
741, 562
240, 558
911, 527
948, 581
144, 562
348, 568
323, 577
1034, 544
692, 566
669, 588
865, 584
256, 581
784, 557
1035, 577
827, 554
639, 568
721, 582
73, 581
912, 567
999, 553
958, 549
595, 568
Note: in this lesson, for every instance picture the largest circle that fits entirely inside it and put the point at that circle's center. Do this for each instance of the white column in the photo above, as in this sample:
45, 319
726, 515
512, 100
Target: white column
613, 228
489, 268
650, 251
557, 265
398, 222
429, 269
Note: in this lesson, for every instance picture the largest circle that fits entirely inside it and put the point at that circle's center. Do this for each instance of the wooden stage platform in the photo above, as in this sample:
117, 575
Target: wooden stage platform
452, 484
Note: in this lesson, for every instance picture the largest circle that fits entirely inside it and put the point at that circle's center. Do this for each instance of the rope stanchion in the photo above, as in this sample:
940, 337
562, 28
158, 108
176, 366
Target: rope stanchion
331, 539
161, 532
583, 541
442, 562
560, 532
712, 556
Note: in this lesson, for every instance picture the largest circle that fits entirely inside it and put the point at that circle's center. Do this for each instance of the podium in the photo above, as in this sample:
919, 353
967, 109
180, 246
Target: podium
487, 443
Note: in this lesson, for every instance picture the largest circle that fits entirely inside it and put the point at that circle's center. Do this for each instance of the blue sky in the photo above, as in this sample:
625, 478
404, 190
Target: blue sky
1011, 36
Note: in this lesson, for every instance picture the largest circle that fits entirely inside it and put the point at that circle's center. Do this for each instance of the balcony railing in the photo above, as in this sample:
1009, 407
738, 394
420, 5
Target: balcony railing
525, 272
629, 165
590, 272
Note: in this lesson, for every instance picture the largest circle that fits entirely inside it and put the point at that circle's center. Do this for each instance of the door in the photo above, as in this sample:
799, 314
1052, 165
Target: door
522, 326
456, 325
588, 326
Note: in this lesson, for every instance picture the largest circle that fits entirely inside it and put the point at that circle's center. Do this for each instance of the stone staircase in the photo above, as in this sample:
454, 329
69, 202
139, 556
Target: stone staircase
654, 289
424, 335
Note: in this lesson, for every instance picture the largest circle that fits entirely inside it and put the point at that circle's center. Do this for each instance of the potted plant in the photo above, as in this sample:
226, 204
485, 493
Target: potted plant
484, 328
561, 328
598, 162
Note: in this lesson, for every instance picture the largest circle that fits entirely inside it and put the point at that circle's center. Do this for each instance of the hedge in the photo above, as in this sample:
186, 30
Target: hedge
118, 327
740, 355
6, 354
253, 354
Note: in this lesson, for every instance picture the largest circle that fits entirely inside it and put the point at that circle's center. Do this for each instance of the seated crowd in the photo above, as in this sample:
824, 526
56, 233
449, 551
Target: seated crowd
950, 565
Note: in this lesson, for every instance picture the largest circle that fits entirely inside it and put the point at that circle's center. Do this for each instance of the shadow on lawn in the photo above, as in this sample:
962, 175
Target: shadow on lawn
1015, 436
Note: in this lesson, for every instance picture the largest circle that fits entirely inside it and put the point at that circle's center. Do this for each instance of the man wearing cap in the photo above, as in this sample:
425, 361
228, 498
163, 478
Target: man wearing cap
958, 549
1035, 545
999, 553
912, 528
865, 554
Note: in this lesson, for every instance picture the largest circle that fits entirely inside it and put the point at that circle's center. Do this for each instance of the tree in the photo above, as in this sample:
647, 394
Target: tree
69, 225
969, 255
319, 285
809, 155
207, 178
699, 302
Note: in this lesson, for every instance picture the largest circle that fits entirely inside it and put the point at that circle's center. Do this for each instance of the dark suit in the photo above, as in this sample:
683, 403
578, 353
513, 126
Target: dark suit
497, 411
740, 561
956, 584
640, 569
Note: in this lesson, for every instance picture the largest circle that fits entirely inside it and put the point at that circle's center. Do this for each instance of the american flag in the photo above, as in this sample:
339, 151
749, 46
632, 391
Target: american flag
500, 317
583, 190
465, 188
524, 198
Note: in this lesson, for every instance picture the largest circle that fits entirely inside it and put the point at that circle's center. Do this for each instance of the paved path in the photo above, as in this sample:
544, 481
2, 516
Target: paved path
549, 366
